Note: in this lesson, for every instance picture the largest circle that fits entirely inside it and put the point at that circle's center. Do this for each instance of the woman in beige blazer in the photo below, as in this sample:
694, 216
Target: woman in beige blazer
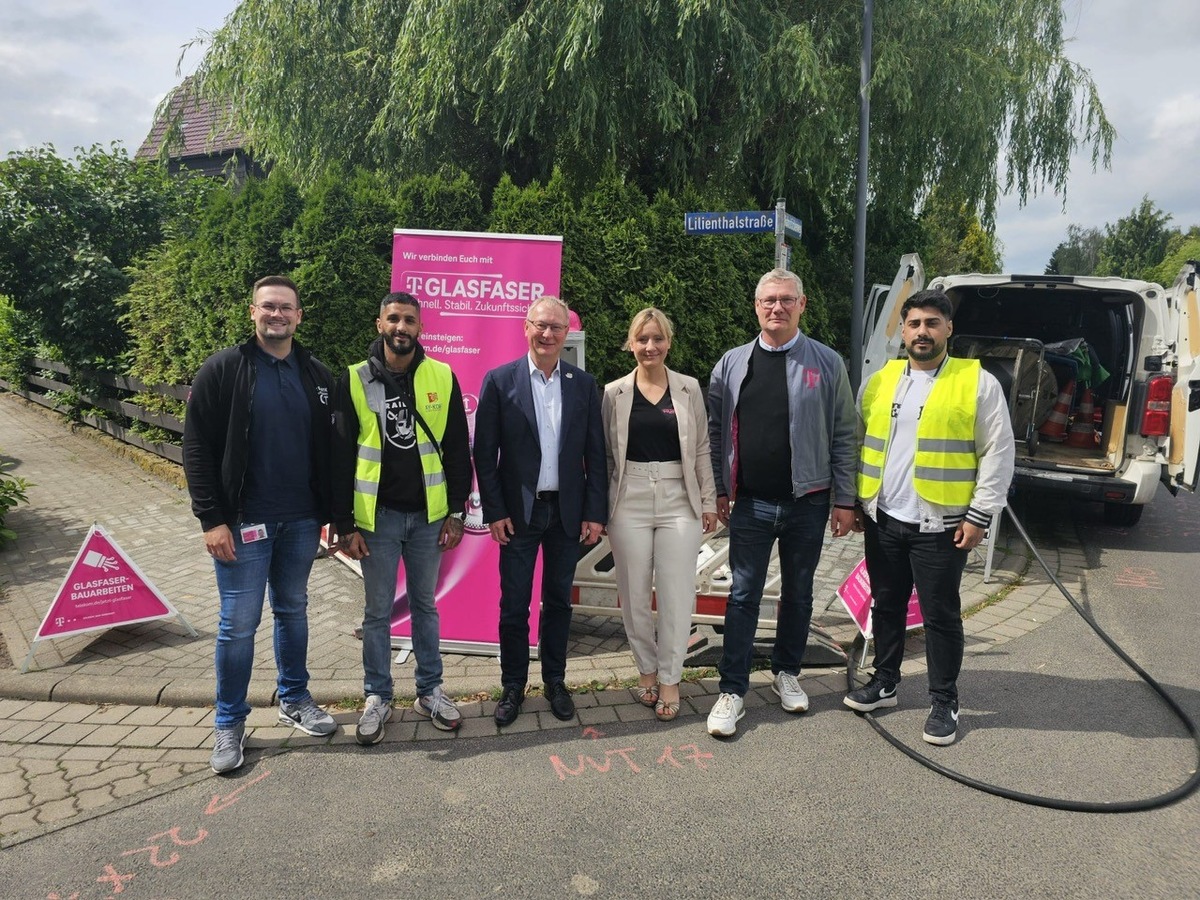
661, 502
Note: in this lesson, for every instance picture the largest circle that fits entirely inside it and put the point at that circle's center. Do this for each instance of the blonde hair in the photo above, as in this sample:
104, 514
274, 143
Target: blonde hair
645, 317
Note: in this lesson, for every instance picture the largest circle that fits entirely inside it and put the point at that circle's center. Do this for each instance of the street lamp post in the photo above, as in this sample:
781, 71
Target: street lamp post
860, 200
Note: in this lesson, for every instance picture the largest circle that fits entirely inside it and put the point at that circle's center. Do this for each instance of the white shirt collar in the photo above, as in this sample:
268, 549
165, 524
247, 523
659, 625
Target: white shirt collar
784, 349
533, 367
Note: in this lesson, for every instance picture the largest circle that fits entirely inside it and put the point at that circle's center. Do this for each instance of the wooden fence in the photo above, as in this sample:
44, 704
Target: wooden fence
38, 387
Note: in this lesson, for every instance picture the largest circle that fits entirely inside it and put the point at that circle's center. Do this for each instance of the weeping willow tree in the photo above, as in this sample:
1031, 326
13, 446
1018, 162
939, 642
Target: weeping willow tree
977, 97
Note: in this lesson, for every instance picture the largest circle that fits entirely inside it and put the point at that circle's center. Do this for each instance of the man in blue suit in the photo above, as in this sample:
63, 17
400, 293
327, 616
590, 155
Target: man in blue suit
543, 480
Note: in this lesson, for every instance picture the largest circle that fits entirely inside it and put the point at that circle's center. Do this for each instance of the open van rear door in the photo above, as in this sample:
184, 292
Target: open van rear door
881, 340
1185, 400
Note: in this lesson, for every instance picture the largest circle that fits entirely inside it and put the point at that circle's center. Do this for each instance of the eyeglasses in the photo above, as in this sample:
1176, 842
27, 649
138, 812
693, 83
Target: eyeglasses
552, 327
784, 302
272, 308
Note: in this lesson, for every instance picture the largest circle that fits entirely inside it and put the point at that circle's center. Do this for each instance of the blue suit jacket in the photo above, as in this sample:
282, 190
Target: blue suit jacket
508, 453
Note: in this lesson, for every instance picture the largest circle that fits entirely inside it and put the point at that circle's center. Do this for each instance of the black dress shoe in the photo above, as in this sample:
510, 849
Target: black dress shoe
561, 703
509, 706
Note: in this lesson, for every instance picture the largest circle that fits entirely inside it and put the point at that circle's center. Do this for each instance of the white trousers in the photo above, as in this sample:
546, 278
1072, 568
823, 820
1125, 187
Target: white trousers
655, 538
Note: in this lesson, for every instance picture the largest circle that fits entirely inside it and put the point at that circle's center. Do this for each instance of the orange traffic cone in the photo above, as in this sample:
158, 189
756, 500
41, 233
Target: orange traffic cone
1083, 428
1055, 426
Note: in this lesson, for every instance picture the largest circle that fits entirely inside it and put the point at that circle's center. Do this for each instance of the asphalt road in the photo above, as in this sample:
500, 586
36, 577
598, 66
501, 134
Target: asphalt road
814, 806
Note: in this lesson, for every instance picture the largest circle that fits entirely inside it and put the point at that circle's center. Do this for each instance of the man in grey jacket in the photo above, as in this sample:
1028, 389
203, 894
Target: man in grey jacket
790, 396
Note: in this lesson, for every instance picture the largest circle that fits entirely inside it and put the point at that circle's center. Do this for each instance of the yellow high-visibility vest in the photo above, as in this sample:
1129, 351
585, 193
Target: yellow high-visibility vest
945, 462
433, 384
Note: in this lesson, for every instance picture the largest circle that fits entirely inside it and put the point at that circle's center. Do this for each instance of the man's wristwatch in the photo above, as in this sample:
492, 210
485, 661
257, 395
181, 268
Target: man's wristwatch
461, 517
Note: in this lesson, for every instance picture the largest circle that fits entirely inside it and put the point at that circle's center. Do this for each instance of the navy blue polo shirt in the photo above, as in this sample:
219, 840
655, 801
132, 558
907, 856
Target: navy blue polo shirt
279, 475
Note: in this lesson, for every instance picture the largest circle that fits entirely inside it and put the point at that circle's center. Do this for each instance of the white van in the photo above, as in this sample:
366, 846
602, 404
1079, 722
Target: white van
1134, 344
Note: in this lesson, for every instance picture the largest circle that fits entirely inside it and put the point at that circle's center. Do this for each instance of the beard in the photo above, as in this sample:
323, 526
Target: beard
925, 352
400, 344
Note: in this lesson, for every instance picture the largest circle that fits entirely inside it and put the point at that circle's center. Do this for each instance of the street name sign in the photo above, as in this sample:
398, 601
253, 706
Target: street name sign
745, 222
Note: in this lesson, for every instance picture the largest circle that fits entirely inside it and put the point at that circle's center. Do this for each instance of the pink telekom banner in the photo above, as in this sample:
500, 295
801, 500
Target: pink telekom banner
103, 588
475, 289
855, 594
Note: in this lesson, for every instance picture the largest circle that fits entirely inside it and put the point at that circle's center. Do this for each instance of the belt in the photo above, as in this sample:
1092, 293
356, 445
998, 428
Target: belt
654, 470
744, 494
546, 495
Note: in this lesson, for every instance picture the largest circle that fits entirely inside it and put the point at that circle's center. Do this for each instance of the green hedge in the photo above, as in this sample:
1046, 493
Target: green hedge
185, 272
622, 251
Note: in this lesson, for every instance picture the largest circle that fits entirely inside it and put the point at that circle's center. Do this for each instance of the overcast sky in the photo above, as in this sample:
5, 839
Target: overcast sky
1143, 56
78, 72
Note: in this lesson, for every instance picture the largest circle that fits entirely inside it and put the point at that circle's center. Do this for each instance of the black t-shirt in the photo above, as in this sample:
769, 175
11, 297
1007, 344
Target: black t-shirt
401, 483
653, 430
764, 450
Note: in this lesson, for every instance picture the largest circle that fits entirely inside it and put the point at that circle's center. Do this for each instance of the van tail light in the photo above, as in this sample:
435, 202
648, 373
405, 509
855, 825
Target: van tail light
1156, 417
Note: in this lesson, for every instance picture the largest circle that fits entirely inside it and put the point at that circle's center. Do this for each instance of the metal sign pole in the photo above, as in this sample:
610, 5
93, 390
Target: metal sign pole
750, 221
781, 254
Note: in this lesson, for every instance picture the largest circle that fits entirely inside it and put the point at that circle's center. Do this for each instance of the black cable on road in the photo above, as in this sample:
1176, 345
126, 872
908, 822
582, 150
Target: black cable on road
1119, 806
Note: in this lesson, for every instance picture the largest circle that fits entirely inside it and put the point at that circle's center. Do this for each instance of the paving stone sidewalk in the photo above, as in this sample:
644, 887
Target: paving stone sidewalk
107, 715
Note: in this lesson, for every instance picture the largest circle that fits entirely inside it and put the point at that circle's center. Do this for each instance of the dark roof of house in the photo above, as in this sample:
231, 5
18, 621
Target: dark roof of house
196, 118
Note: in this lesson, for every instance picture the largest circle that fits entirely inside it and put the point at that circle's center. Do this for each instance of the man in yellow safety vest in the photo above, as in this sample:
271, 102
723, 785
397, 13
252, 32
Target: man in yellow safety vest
935, 463
402, 475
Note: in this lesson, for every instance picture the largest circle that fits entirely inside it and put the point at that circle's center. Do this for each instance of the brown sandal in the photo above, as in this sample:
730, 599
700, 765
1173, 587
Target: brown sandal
647, 694
666, 712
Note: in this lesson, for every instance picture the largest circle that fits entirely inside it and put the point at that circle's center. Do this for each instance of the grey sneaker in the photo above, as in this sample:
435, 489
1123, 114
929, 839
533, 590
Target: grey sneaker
439, 709
227, 748
370, 724
308, 717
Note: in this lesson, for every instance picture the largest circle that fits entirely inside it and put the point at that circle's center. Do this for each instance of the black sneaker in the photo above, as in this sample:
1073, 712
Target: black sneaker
942, 724
875, 694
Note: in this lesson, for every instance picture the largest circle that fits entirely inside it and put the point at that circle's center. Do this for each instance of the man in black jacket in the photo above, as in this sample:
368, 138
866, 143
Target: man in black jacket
256, 446
543, 479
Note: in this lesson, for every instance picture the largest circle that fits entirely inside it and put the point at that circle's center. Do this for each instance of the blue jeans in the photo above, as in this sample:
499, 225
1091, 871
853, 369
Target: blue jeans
754, 525
560, 555
407, 536
280, 561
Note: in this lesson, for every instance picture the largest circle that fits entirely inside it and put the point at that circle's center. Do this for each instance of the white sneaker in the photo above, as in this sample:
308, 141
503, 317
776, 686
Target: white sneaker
791, 695
726, 712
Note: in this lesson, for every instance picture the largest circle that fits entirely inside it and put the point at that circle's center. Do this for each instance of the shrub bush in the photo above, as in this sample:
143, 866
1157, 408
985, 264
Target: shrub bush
13, 490
16, 345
